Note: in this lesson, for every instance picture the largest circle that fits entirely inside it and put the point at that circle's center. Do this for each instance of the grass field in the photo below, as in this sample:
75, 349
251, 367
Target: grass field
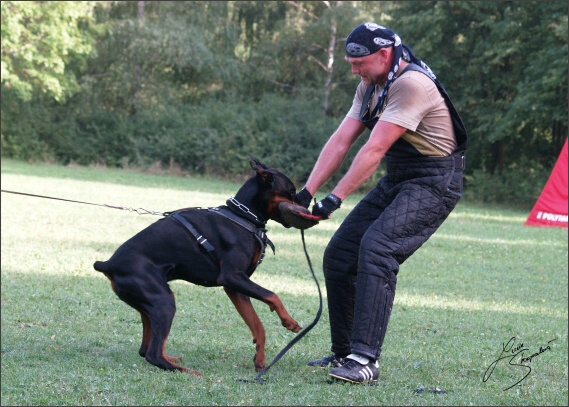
480, 281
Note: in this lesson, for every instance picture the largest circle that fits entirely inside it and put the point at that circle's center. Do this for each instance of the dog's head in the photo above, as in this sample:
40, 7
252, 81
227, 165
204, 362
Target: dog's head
270, 194
273, 188
276, 194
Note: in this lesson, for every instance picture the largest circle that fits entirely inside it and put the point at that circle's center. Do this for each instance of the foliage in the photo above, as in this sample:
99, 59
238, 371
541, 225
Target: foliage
199, 85
517, 185
41, 41
68, 340
170, 53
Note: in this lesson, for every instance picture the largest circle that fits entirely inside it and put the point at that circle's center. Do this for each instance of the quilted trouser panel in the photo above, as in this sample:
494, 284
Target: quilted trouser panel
340, 266
382, 231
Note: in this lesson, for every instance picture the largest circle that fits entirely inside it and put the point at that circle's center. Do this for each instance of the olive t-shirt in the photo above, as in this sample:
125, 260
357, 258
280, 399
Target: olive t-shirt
414, 102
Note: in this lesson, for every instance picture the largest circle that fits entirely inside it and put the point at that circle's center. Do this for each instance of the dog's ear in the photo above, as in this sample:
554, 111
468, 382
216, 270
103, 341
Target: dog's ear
255, 163
264, 177
264, 173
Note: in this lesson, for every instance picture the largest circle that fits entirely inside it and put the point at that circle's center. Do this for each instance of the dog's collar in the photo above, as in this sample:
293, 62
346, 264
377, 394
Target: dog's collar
243, 211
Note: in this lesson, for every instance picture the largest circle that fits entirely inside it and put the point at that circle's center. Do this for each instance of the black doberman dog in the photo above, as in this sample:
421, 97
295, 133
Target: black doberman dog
210, 247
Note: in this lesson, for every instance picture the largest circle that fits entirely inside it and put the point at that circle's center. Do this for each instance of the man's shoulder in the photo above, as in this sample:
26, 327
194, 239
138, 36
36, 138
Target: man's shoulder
413, 83
411, 76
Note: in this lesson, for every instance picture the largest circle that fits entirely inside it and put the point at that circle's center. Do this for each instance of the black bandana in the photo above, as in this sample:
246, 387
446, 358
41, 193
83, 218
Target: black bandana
367, 39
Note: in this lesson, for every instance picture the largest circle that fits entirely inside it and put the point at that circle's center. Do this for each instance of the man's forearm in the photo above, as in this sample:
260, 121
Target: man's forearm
330, 159
334, 153
364, 165
368, 158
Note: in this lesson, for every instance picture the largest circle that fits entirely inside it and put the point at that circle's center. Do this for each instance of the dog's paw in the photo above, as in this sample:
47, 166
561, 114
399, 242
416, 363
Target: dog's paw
292, 325
174, 359
259, 362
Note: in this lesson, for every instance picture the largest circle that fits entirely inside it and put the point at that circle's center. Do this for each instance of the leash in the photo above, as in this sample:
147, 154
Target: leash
140, 211
304, 331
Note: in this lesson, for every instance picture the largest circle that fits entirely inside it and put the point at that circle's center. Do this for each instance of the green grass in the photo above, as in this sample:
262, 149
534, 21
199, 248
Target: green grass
68, 340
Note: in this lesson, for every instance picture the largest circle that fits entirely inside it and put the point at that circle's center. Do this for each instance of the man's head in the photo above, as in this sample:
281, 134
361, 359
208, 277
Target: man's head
377, 54
369, 49
369, 38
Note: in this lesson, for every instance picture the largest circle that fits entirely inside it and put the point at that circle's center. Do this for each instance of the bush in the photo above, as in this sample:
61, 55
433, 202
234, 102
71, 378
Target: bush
23, 125
99, 137
518, 185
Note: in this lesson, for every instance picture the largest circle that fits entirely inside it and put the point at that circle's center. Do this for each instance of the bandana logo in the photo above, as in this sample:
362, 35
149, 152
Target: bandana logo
426, 68
357, 50
373, 26
397, 40
382, 42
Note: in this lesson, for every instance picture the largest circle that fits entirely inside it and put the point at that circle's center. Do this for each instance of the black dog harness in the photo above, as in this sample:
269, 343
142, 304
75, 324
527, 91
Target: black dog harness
259, 233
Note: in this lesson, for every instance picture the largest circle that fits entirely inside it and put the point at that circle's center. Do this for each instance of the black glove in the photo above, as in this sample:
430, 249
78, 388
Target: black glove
303, 197
325, 207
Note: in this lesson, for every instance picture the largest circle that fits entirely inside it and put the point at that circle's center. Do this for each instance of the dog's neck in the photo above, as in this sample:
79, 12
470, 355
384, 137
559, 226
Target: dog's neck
245, 211
244, 204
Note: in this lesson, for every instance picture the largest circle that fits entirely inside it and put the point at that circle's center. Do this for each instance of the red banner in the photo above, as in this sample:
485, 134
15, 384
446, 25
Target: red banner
551, 206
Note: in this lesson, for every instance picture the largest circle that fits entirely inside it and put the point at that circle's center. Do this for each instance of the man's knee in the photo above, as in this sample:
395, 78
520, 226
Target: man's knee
376, 259
340, 259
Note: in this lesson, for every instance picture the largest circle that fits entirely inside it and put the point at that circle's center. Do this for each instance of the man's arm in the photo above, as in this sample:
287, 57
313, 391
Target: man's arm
333, 153
383, 135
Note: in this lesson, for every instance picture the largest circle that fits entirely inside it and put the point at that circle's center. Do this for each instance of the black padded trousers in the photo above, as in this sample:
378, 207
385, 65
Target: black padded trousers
387, 226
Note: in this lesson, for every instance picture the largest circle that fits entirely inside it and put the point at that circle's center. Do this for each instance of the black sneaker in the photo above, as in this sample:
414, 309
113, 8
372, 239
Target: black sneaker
354, 372
333, 360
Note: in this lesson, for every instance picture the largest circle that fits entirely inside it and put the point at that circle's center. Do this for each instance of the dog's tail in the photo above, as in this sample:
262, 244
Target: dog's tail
100, 266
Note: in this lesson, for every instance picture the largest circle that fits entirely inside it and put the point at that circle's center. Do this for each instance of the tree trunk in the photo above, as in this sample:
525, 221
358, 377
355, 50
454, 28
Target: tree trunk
498, 161
329, 68
137, 69
330, 64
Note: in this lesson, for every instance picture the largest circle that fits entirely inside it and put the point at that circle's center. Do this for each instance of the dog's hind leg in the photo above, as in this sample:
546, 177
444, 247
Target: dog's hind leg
156, 304
146, 332
157, 321
147, 335
243, 305
126, 296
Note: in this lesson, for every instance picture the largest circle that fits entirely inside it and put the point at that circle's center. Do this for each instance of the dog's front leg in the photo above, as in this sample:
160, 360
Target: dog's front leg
243, 305
241, 283
275, 304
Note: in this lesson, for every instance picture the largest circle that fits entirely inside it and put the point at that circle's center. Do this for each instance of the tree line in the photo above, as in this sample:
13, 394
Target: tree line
198, 85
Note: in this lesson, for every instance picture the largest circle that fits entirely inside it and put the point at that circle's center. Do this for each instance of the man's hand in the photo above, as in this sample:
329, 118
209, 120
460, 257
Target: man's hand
303, 197
325, 207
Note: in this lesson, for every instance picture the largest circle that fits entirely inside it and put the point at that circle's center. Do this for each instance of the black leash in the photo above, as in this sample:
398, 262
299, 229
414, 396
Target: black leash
305, 330
140, 211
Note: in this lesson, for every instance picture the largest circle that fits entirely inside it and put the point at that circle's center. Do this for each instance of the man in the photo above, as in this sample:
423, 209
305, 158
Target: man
415, 128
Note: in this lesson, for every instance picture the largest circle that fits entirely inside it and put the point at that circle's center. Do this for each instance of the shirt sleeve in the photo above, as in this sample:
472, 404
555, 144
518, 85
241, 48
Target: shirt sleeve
354, 112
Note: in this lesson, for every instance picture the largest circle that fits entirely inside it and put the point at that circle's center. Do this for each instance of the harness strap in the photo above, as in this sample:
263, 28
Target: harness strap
201, 240
259, 233
370, 117
458, 125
